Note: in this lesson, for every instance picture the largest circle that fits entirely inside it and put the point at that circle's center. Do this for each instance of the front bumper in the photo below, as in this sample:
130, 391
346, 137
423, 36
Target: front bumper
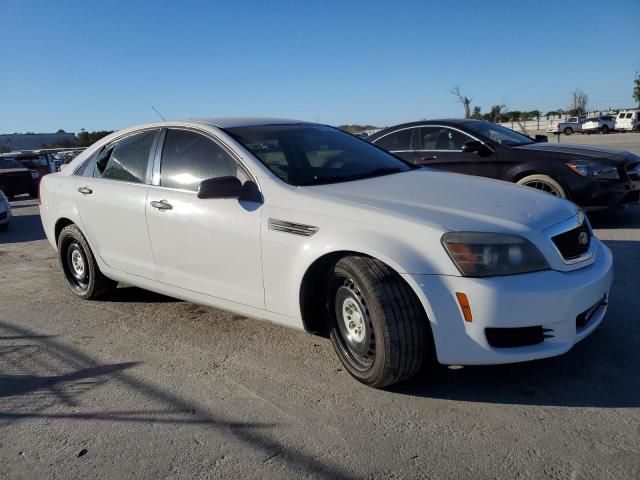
594, 194
551, 299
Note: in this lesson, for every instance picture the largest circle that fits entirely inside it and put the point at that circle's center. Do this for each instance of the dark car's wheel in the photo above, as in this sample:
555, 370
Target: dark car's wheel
604, 129
568, 130
544, 183
79, 265
379, 329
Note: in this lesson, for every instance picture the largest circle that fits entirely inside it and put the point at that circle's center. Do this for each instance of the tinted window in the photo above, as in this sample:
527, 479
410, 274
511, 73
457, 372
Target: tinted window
315, 154
393, 142
6, 163
441, 138
629, 115
188, 158
127, 159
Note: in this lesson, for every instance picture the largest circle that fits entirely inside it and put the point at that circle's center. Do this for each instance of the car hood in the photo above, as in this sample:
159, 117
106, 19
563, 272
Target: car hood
453, 201
588, 152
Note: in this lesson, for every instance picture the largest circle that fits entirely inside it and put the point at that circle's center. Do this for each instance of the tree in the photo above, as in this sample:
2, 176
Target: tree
636, 89
477, 113
496, 114
579, 104
464, 100
61, 131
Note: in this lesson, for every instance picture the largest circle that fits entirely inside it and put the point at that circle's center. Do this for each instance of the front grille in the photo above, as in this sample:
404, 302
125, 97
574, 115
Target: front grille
574, 243
516, 337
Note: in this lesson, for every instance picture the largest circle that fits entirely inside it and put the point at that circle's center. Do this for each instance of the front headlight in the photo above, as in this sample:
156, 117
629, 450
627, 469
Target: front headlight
587, 170
487, 254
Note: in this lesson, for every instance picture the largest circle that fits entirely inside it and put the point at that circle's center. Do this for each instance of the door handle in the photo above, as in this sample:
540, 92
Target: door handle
85, 190
161, 205
432, 157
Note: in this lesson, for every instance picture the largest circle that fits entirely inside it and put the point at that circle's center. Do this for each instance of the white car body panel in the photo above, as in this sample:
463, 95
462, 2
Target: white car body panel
223, 253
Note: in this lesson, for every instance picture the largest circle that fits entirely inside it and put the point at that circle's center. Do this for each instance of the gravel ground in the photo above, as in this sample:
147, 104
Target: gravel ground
146, 386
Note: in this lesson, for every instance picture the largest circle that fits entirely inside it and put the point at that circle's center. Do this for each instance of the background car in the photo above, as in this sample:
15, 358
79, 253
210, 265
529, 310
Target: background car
628, 121
593, 177
15, 179
569, 126
5, 211
601, 124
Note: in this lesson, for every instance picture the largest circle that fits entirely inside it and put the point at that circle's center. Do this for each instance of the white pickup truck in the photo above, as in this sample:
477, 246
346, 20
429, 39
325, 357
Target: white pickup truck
567, 126
602, 124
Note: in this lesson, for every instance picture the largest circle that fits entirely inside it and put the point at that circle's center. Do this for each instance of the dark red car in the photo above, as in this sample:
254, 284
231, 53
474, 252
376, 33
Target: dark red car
595, 178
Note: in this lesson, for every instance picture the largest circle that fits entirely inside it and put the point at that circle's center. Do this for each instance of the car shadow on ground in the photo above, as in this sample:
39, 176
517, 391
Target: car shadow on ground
126, 294
601, 371
23, 228
44, 378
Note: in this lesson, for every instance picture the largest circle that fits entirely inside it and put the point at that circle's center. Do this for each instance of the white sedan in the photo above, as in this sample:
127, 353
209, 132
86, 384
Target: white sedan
310, 227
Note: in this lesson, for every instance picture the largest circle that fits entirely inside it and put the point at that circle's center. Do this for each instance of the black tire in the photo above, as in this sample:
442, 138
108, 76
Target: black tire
395, 333
604, 130
88, 282
568, 130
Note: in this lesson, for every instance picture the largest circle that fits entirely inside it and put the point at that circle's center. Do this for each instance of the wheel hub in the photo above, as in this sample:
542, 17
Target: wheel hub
77, 263
353, 319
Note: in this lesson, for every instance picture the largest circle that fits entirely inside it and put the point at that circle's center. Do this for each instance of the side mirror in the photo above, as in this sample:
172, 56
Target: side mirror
475, 146
229, 187
541, 139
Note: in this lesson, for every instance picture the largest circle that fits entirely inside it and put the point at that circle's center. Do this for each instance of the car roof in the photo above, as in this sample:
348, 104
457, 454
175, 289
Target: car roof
450, 122
231, 122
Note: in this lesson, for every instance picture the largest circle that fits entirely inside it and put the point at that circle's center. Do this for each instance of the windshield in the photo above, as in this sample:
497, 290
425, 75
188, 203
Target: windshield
6, 163
498, 134
315, 154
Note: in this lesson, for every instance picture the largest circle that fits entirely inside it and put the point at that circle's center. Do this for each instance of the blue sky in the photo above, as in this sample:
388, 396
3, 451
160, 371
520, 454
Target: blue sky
102, 65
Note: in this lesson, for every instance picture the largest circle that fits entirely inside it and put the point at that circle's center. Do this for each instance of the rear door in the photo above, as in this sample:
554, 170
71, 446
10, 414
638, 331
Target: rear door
111, 196
211, 246
440, 147
399, 142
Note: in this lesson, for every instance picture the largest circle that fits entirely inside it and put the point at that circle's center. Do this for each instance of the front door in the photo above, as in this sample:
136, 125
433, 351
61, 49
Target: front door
440, 147
210, 246
111, 199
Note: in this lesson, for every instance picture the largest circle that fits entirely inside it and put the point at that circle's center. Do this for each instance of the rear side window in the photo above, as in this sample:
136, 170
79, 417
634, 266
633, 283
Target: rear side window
126, 160
397, 141
629, 115
188, 158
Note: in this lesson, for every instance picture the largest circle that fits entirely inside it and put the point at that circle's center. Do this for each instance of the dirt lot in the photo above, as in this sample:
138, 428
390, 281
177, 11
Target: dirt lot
143, 386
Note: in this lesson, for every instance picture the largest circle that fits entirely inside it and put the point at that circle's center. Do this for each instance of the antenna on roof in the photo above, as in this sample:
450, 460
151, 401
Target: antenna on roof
154, 109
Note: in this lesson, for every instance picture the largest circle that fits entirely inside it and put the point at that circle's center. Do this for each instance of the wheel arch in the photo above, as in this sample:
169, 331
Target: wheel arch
525, 173
61, 223
313, 300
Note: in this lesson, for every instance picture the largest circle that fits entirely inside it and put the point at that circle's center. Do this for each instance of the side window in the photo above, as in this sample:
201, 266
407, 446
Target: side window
396, 141
126, 160
188, 158
442, 138
629, 115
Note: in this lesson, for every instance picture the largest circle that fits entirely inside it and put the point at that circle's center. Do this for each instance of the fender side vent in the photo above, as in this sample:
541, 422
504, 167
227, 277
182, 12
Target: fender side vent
291, 227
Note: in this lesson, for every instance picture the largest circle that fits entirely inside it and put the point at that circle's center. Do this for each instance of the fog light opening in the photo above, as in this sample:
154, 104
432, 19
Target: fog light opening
464, 305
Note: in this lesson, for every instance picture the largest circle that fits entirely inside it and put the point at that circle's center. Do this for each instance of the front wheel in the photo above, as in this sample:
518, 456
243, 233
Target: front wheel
568, 131
543, 183
604, 129
79, 265
378, 326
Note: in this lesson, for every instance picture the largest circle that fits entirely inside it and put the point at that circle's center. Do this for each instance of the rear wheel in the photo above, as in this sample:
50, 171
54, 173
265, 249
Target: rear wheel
79, 265
378, 326
543, 183
604, 129
568, 130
